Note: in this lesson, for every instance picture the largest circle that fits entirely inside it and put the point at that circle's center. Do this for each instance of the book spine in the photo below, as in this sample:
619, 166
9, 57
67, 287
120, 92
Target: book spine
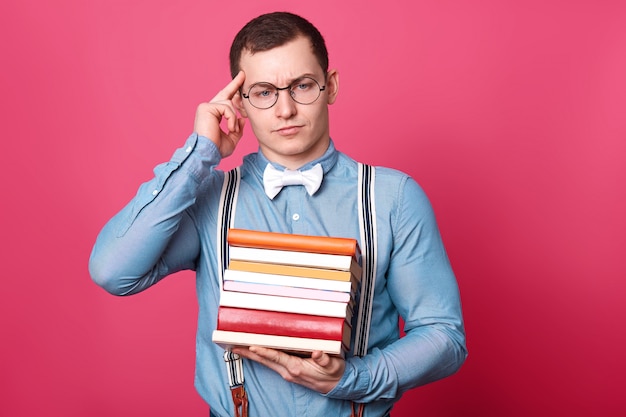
286, 280
297, 271
227, 339
294, 242
282, 324
285, 257
295, 292
285, 304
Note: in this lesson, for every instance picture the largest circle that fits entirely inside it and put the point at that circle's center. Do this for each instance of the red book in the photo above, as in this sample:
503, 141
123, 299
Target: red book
294, 242
284, 324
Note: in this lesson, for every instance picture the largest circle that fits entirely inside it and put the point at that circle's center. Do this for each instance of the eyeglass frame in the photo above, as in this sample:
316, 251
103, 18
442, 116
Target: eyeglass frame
279, 89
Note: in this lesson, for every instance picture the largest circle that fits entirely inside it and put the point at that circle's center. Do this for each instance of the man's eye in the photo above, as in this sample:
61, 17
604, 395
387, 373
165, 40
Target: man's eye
262, 93
303, 86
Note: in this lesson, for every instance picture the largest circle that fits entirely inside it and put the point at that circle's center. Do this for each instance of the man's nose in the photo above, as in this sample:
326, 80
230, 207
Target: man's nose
285, 106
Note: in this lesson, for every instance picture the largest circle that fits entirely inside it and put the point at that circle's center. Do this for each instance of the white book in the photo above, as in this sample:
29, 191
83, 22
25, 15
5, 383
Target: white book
228, 339
285, 304
289, 281
309, 259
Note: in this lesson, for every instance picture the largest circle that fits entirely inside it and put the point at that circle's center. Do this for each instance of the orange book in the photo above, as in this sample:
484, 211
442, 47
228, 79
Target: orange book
294, 242
297, 271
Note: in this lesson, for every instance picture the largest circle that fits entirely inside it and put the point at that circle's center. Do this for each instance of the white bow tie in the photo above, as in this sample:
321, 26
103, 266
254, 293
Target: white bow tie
274, 180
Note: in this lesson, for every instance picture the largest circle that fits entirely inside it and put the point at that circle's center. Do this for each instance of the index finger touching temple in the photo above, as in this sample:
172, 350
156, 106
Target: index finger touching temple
232, 87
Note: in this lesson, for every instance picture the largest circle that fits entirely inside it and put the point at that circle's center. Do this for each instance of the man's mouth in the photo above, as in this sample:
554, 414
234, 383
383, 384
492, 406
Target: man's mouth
288, 130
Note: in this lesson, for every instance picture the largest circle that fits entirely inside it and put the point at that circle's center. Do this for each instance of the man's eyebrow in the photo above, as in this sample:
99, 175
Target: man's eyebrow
303, 76
293, 80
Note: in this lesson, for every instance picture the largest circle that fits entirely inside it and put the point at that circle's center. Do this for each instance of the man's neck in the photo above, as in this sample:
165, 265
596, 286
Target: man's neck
297, 161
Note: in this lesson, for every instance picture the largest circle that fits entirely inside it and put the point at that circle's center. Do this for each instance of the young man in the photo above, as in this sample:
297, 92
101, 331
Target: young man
282, 85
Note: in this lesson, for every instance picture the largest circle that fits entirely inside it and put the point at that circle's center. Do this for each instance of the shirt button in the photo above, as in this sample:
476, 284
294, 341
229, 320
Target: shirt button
155, 192
296, 217
188, 149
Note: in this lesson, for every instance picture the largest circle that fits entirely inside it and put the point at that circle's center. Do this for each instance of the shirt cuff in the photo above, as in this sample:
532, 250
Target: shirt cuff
354, 383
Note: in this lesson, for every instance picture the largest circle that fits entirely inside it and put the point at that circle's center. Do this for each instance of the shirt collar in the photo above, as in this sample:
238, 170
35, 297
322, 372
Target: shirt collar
258, 161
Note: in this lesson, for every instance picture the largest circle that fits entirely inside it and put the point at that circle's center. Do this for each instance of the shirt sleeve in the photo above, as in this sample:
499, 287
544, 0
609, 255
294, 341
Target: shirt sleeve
153, 235
424, 291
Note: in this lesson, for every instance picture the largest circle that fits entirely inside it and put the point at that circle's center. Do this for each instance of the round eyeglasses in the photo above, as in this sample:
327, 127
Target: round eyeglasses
304, 90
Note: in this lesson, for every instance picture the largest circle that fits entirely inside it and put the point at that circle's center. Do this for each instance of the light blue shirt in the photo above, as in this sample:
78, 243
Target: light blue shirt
170, 225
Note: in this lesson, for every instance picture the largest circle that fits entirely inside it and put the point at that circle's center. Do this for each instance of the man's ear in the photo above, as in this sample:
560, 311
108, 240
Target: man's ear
332, 85
238, 102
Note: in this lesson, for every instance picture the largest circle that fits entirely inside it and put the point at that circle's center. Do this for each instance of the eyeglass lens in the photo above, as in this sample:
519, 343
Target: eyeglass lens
304, 91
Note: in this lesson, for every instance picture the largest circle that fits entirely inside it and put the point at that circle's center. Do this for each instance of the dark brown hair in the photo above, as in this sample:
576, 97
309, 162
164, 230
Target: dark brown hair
271, 30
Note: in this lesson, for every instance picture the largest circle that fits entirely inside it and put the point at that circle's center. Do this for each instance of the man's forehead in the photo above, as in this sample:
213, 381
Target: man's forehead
282, 64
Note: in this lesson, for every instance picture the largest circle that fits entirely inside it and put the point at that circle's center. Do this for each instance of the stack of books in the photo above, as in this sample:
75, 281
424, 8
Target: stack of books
290, 292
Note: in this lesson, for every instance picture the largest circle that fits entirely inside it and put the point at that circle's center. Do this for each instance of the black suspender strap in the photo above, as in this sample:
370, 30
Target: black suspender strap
367, 224
368, 236
226, 216
367, 227
226, 219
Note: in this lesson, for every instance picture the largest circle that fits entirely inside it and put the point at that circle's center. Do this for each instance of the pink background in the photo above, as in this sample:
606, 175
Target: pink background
509, 113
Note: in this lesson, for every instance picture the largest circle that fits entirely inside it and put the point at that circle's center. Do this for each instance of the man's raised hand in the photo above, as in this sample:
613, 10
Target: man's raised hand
209, 115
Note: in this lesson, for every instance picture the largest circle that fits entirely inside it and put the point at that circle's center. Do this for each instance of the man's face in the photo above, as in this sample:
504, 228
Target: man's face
289, 133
